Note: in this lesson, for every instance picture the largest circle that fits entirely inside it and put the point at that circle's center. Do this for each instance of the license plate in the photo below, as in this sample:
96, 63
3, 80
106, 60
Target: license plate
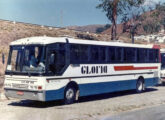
20, 93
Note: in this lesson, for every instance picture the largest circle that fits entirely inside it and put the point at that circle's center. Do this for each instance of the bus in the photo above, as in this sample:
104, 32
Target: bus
162, 75
65, 68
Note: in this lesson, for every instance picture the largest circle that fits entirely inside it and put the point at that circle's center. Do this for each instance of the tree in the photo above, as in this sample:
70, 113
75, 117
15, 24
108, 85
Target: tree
131, 21
154, 19
163, 23
125, 20
101, 29
114, 8
160, 8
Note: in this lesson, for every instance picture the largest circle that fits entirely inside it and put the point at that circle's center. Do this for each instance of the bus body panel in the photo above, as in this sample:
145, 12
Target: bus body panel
53, 87
97, 84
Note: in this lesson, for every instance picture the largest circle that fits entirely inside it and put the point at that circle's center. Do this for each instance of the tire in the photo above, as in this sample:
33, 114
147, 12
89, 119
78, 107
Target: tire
70, 95
140, 87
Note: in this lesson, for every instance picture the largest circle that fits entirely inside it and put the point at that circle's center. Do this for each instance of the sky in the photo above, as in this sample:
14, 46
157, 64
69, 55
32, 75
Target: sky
53, 12
57, 13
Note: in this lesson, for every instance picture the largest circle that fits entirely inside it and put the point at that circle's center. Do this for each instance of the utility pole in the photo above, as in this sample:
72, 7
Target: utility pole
133, 28
132, 31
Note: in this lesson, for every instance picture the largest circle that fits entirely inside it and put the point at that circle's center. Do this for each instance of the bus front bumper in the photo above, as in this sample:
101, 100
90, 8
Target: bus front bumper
24, 94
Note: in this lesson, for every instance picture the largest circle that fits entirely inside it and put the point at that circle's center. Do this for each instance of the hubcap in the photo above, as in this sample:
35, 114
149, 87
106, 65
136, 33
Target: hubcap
69, 93
140, 86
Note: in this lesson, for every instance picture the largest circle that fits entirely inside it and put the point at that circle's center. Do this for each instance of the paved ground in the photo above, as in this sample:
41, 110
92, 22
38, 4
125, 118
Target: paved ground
88, 108
151, 113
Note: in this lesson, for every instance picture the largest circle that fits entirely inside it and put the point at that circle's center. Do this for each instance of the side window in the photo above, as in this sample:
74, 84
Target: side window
156, 56
139, 55
146, 55
102, 54
84, 53
16, 60
129, 55
142, 55
111, 54
119, 54
151, 55
94, 54
57, 61
75, 53
79, 53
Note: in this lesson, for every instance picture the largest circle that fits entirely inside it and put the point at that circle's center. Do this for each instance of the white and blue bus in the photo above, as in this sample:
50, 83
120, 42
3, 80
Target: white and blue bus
53, 68
162, 75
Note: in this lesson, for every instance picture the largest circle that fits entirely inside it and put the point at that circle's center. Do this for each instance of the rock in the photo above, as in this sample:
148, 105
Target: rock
2, 96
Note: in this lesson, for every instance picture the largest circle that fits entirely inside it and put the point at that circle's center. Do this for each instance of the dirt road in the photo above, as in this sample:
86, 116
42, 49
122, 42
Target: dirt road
150, 113
88, 108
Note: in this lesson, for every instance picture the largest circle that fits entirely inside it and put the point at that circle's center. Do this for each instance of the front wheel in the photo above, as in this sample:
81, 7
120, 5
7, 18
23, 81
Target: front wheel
69, 95
140, 87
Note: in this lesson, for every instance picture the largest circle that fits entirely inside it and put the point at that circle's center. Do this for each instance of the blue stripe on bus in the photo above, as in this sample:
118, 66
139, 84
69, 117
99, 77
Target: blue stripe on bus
99, 88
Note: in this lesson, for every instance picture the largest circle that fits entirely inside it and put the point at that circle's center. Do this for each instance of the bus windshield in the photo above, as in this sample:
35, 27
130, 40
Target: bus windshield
26, 59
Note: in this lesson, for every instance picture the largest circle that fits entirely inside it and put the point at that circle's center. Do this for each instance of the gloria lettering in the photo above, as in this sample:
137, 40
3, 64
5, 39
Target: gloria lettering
94, 69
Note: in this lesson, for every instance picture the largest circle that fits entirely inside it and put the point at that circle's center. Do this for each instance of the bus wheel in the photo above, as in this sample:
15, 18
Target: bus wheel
140, 85
69, 95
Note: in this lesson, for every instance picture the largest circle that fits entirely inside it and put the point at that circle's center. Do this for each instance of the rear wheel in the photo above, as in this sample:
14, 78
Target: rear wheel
69, 95
140, 86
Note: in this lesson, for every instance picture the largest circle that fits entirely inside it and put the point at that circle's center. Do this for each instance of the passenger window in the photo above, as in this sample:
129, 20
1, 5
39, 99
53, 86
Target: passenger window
84, 53
118, 54
111, 54
142, 55
56, 61
79, 53
75, 53
94, 54
146, 55
102, 54
156, 56
151, 55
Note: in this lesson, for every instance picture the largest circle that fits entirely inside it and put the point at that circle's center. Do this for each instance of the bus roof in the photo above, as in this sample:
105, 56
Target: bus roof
44, 40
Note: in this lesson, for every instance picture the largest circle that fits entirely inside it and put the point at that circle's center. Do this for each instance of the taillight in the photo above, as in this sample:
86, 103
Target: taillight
39, 87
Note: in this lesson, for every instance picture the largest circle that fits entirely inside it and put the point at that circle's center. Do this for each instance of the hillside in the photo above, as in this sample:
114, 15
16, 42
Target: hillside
87, 28
10, 31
